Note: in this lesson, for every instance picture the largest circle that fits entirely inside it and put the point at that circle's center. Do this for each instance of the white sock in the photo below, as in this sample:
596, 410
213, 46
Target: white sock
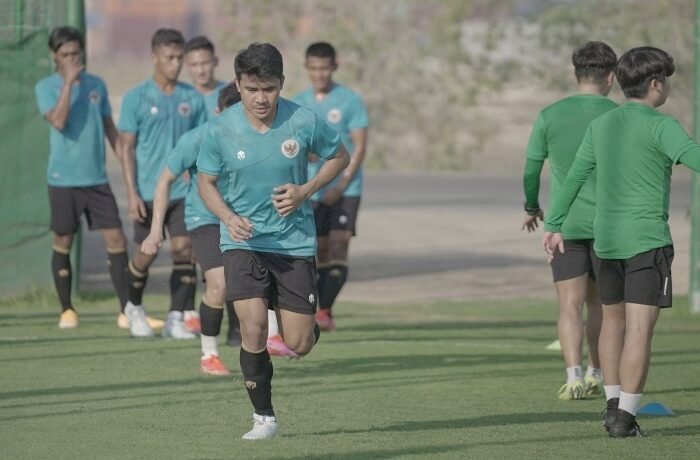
174, 316
209, 346
272, 329
611, 391
594, 372
629, 402
574, 374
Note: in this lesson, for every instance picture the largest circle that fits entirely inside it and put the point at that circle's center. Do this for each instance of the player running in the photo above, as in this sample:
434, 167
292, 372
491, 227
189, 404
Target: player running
267, 230
633, 149
201, 61
556, 136
153, 117
335, 207
76, 106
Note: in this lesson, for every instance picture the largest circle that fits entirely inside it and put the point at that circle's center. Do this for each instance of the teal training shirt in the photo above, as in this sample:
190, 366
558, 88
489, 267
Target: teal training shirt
256, 163
344, 110
158, 120
77, 153
211, 100
184, 158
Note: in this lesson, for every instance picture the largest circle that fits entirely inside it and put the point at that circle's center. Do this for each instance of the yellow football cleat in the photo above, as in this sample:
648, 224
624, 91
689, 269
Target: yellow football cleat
68, 320
123, 322
571, 391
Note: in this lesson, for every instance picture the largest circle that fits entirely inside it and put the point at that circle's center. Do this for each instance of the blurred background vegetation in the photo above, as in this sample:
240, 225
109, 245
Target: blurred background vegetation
450, 84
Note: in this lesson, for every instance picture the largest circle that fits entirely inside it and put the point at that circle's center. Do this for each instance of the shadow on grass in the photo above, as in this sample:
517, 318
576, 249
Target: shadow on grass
83, 389
377, 453
447, 325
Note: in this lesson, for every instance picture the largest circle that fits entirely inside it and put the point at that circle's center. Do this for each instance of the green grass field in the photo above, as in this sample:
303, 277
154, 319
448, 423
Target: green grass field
447, 380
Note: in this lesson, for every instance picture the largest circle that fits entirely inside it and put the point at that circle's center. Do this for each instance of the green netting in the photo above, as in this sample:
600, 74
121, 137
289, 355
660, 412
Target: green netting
25, 239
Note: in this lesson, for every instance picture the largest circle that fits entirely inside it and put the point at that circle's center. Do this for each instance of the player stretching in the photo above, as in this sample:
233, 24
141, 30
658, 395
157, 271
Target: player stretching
556, 136
267, 226
76, 105
335, 207
153, 117
633, 149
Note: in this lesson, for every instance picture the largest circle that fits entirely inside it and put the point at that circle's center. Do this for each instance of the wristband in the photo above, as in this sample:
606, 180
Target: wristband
532, 210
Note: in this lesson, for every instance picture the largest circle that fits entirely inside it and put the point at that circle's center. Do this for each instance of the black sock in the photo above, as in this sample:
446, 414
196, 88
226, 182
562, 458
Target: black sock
118, 265
62, 277
323, 297
257, 375
210, 319
336, 280
137, 283
317, 332
183, 281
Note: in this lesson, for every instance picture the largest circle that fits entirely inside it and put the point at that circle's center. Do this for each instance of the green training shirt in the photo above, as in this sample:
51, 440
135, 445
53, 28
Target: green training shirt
555, 137
633, 149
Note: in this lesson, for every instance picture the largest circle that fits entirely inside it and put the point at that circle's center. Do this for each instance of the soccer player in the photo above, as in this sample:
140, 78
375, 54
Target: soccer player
201, 61
633, 149
556, 136
267, 227
336, 207
153, 117
76, 106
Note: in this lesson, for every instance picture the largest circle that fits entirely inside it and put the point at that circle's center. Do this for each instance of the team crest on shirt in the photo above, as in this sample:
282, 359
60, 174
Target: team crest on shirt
240, 155
290, 148
154, 110
184, 109
334, 116
94, 96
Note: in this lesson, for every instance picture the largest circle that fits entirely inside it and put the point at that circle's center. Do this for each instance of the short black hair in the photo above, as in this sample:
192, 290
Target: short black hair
261, 60
321, 50
199, 43
167, 37
228, 95
639, 66
594, 60
64, 34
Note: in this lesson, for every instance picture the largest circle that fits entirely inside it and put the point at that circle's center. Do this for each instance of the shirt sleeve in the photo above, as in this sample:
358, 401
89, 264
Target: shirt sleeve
105, 107
673, 141
209, 160
359, 119
200, 112
183, 155
531, 182
46, 98
325, 141
537, 145
128, 117
583, 165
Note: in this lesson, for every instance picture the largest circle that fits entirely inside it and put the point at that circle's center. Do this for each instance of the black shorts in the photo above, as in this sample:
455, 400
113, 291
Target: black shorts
69, 203
644, 279
578, 259
174, 221
205, 242
286, 281
341, 215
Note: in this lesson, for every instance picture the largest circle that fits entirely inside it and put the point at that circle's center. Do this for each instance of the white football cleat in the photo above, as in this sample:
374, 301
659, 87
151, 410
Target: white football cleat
175, 327
264, 427
138, 325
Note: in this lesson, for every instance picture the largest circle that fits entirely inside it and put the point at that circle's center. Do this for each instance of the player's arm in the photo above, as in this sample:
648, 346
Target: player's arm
112, 136
288, 197
239, 227
58, 116
580, 170
535, 156
359, 140
160, 206
127, 145
677, 144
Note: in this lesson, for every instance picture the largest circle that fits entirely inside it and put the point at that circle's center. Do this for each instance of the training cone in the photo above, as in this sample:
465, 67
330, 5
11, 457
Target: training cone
657, 409
556, 346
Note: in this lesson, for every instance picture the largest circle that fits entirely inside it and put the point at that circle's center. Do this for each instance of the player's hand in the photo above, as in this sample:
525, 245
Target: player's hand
313, 158
552, 242
72, 71
332, 195
152, 243
530, 222
287, 198
137, 208
239, 228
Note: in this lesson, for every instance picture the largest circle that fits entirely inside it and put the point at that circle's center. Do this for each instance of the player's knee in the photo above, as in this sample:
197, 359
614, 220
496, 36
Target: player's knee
115, 240
254, 336
64, 242
215, 291
301, 345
